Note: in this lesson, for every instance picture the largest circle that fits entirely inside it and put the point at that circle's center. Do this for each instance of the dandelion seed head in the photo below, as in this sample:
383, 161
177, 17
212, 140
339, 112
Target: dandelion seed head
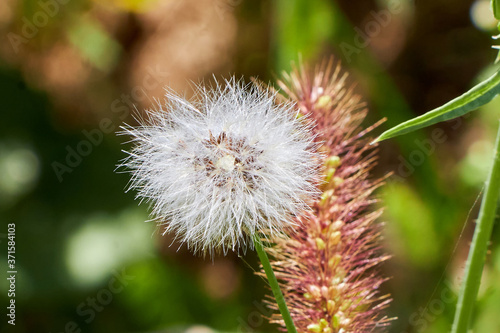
220, 167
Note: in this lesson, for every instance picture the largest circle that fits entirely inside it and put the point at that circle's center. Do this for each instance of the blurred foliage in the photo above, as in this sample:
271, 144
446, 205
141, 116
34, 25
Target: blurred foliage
88, 66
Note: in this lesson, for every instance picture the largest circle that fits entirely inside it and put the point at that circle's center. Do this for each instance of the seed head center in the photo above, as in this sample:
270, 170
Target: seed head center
226, 163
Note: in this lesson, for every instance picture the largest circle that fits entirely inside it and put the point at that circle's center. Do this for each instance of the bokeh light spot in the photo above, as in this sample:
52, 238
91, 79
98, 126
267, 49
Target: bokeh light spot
19, 170
105, 243
482, 16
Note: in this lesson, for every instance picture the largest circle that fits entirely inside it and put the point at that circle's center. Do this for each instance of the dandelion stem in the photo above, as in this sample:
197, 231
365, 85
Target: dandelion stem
479, 247
273, 282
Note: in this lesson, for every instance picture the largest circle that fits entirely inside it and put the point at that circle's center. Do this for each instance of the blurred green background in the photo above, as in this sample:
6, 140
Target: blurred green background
71, 71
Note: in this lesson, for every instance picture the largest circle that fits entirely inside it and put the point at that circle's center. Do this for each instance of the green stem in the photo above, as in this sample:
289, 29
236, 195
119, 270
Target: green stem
479, 247
273, 282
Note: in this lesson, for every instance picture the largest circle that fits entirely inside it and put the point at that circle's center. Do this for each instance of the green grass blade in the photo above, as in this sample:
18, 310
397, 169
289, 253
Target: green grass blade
479, 95
479, 247
495, 7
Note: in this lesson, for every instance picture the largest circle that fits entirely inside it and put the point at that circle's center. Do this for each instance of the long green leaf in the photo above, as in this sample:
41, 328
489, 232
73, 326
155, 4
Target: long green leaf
481, 94
495, 7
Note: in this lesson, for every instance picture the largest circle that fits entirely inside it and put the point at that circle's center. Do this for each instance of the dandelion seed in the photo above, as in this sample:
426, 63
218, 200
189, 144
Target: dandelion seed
223, 166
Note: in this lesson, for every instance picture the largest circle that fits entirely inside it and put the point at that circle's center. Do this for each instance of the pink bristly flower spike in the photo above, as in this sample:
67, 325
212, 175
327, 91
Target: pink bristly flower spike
328, 266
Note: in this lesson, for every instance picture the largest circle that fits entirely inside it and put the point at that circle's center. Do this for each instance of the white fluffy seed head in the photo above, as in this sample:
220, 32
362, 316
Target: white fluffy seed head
223, 166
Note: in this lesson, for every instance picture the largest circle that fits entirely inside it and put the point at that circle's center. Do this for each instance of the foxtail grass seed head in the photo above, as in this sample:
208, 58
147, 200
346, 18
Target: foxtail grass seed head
220, 167
328, 266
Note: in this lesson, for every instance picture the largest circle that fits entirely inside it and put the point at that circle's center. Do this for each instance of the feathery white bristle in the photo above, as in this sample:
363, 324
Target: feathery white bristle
223, 166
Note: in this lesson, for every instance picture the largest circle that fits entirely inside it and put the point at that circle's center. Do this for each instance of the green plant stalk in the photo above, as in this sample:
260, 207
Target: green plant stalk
477, 253
273, 282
